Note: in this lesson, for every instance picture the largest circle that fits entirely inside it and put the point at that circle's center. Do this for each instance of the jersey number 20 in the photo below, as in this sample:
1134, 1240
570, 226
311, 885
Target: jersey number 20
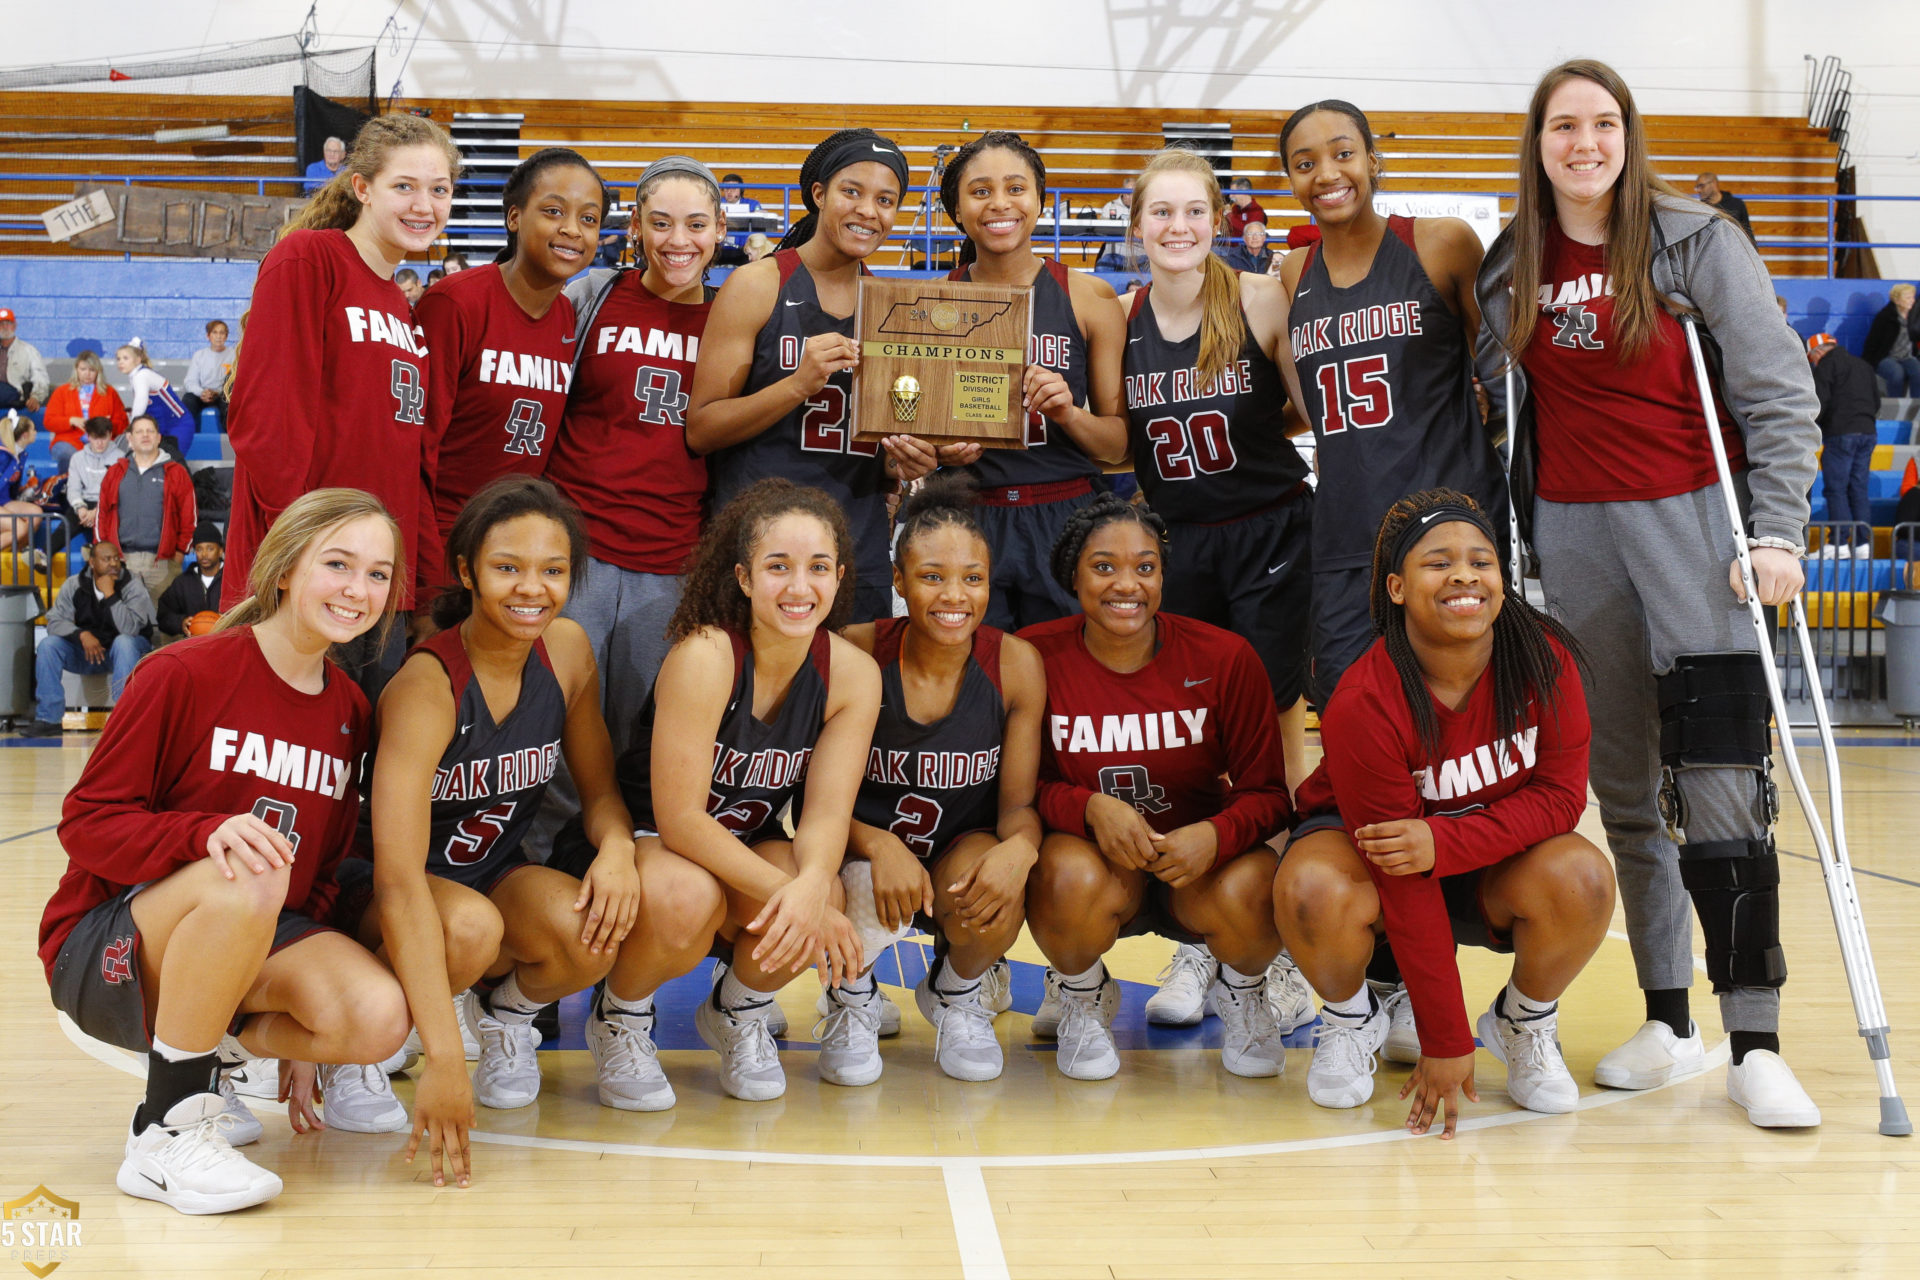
1196, 445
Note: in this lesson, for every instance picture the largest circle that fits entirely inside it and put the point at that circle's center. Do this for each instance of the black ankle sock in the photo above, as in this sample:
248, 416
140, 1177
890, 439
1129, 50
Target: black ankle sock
1745, 1042
169, 1082
1669, 1005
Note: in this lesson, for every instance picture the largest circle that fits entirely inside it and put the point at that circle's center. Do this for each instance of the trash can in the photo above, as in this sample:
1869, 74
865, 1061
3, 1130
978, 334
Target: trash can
1899, 615
19, 606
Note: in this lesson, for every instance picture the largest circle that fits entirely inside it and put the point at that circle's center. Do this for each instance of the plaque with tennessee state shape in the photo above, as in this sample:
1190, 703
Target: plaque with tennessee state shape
942, 360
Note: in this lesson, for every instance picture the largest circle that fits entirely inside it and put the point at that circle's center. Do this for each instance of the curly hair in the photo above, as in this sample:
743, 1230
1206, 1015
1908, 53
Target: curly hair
944, 498
1104, 510
956, 173
507, 498
1525, 667
712, 597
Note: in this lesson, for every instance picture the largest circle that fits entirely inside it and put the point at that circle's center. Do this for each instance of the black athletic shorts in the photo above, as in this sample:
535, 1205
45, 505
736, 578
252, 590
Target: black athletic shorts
1342, 627
1021, 536
96, 977
1465, 912
1252, 576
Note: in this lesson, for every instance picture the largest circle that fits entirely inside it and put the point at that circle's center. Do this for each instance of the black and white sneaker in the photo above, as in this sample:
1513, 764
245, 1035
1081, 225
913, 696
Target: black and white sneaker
187, 1163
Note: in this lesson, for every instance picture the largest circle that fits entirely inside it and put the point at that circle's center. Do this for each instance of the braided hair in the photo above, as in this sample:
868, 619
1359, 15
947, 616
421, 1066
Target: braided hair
813, 172
520, 187
956, 172
712, 595
944, 498
1525, 667
1104, 510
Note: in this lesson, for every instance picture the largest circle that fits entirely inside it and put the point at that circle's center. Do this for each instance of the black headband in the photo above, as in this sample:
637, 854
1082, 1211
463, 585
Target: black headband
1445, 513
867, 146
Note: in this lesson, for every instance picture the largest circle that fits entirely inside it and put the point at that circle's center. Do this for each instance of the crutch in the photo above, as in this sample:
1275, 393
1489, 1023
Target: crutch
1515, 559
1855, 955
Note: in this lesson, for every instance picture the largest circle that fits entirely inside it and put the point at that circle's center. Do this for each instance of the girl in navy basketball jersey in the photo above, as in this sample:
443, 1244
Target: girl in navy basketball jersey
758, 702
1149, 714
623, 458
469, 731
202, 837
1205, 401
502, 337
945, 814
332, 379
1443, 812
994, 189
773, 392
1382, 321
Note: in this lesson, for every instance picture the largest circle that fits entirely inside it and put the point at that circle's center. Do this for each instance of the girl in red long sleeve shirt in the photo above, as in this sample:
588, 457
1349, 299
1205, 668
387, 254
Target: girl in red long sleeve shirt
1455, 769
202, 838
332, 383
1146, 711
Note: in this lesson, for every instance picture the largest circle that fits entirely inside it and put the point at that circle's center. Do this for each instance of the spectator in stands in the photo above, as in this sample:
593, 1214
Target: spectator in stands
22, 369
18, 485
98, 624
333, 158
737, 204
86, 395
1252, 254
1242, 208
409, 281
1707, 188
207, 375
147, 508
195, 592
1120, 207
1849, 403
435, 276
1891, 343
88, 470
758, 246
154, 397
454, 263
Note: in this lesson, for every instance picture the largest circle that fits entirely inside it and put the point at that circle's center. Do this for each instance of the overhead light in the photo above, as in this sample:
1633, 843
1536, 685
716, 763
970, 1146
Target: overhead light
205, 133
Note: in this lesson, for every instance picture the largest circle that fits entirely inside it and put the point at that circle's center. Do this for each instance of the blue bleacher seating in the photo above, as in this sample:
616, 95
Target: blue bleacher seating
1851, 575
1893, 431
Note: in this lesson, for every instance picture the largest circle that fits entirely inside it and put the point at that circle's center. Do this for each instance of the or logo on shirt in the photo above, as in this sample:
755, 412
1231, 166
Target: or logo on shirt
1132, 783
1134, 731
1575, 326
526, 431
1480, 768
661, 400
116, 960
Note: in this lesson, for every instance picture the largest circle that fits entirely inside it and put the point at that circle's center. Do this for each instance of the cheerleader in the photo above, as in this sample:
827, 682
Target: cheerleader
1443, 812
153, 396
994, 189
201, 840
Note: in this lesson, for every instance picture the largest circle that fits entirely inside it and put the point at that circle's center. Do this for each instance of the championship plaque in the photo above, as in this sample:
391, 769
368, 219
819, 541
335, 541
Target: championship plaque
942, 360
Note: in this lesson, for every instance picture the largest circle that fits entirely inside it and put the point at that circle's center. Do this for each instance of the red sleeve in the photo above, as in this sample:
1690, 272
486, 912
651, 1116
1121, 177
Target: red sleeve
1551, 802
272, 418
106, 519
1258, 806
1062, 805
443, 324
182, 510
346, 820
1366, 761
110, 824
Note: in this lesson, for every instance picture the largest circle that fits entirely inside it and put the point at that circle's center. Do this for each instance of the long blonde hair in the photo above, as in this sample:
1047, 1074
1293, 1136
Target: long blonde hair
334, 207
294, 531
1223, 325
1629, 246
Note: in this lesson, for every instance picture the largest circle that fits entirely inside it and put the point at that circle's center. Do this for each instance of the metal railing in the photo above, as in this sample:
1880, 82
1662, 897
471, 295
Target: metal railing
1842, 600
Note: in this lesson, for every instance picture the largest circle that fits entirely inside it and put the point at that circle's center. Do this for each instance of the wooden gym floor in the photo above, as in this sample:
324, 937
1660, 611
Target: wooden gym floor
1172, 1169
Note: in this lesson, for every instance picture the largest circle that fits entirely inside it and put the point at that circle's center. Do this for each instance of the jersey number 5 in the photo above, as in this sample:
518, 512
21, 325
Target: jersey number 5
1369, 396
1197, 445
472, 839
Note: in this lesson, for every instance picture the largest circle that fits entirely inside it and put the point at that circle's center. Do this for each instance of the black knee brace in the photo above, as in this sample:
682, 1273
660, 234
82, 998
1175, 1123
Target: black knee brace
1714, 711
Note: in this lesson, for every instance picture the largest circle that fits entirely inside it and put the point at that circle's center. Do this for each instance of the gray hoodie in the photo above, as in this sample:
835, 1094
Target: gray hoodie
1761, 370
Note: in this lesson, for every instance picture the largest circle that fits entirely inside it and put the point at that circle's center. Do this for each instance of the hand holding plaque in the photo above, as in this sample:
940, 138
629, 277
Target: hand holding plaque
942, 360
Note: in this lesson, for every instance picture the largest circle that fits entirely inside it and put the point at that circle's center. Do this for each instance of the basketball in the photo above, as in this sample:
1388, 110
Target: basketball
203, 623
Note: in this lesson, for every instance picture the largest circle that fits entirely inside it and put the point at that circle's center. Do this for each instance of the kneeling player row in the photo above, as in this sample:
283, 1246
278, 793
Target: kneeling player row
799, 796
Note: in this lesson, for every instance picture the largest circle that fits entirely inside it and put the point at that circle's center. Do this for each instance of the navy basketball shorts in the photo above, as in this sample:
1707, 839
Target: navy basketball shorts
1021, 534
1342, 627
1252, 576
1466, 913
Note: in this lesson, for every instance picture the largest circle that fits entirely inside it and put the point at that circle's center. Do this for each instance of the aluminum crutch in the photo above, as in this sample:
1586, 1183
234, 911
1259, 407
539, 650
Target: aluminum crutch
1515, 559
1856, 957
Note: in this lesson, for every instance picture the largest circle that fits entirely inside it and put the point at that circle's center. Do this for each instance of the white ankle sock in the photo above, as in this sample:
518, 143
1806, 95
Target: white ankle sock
737, 997
612, 1004
509, 1003
1520, 1007
172, 1054
854, 990
949, 983
1357, 1007
1234, 978
1088, 981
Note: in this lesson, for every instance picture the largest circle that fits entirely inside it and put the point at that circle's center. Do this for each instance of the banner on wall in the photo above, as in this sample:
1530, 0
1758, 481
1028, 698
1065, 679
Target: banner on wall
182, 224
1482, 213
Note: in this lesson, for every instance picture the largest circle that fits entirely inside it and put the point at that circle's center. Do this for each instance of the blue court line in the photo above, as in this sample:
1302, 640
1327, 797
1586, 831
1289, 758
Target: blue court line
24, 834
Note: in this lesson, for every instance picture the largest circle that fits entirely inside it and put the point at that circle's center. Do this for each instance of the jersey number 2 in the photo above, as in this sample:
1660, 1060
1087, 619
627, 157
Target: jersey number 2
1368, 394
824, 428
915, 819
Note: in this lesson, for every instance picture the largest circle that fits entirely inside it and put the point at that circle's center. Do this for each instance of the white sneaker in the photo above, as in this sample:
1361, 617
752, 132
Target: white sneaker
1181, 1000
1652, 1056
356, 1098
1831, 551
749, 1064
626, 1061
403, 1059
996, 988
1537, 1075
1403, 1035
1765, 1086
1341, 1074
1087, 1050
849, 1035
1844, 553
256, 1078
186, 1162
964, 1044
246, 1126
1046, 1019
1252, 1045
889, 1012
507, 1076
1289, 994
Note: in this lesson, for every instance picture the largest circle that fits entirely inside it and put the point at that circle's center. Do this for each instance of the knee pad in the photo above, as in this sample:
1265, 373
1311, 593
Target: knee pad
1714, 712
1735, 886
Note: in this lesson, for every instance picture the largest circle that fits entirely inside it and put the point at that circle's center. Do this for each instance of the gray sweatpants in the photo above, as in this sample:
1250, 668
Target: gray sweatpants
625, 615
1640, 584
